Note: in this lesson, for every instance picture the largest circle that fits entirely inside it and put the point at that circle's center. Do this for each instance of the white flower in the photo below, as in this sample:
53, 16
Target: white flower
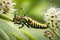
6, 6
52, 14
55, 12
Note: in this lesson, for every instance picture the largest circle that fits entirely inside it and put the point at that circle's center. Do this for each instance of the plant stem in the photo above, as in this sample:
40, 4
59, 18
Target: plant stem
55, 32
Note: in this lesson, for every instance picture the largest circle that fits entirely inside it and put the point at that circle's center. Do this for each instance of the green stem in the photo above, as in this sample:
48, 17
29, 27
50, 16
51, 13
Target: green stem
55, 32
4, 17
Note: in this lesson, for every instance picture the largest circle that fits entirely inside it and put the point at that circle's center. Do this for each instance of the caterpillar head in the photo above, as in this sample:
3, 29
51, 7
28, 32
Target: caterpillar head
16, 19
19, 19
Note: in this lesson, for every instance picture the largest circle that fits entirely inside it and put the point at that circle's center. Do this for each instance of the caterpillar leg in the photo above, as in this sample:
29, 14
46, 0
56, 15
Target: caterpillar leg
28, 25
21, 26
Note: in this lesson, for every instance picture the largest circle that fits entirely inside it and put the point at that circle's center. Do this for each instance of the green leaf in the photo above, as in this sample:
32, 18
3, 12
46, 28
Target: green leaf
3, 35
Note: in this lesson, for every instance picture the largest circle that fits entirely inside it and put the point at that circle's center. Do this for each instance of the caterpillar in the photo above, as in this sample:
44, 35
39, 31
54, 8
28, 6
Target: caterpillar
29, 22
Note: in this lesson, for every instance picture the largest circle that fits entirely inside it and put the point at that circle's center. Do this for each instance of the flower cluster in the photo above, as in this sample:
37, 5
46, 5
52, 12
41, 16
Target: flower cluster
6, 6
52, 16
48, 34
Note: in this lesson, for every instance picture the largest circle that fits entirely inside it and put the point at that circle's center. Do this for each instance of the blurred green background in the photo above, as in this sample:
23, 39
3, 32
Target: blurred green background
36, 9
